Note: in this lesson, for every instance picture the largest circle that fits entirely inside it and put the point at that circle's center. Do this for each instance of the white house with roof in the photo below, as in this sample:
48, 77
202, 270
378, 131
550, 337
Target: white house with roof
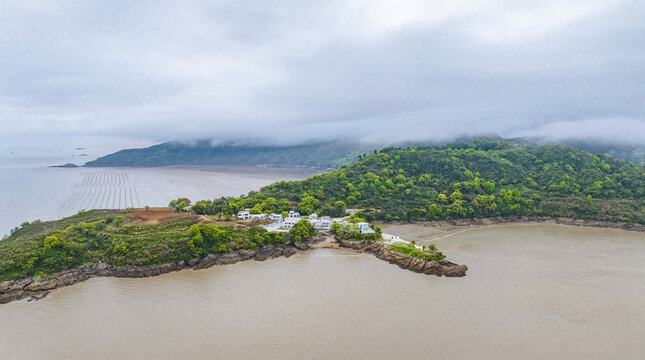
289, 222
275, 217
364, 228
243, 215
319, 222
258, 216
323, 223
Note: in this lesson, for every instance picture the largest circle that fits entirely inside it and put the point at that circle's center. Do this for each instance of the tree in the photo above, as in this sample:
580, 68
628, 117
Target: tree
52, 242
456, 195
182, 206
120, 249
490, 187
434, 211
199, 208
302, 230
308, 204
456, 209
256, 209
339, 208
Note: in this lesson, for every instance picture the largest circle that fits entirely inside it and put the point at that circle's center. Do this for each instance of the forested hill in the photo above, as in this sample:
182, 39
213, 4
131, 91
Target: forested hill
627, 151
481, 178
332, 154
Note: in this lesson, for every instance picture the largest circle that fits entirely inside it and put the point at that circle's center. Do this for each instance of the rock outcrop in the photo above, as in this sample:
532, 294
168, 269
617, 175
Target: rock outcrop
379, 249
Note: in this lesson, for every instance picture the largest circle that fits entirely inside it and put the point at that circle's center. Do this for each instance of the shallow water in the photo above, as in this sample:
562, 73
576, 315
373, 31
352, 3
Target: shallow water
532, 292
31, 190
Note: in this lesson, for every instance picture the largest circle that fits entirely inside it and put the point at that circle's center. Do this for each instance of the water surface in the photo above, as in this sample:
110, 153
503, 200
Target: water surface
532, 292
31, 190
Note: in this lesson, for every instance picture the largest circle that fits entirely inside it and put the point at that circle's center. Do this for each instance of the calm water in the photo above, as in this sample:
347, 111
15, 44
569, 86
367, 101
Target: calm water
31, 190
532, 292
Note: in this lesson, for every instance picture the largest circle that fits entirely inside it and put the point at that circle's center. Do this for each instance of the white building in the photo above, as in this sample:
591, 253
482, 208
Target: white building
324, 223
364, 228
243, 215
294, 214
258, 216
289, 222
313, 216
275, 217
391, 238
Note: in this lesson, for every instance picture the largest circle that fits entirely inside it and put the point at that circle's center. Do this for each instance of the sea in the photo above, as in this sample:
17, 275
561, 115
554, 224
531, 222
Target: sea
31, 189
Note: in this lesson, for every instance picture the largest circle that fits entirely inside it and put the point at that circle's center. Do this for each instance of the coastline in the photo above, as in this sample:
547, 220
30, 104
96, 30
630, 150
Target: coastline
38, 288
212, 166
526, 220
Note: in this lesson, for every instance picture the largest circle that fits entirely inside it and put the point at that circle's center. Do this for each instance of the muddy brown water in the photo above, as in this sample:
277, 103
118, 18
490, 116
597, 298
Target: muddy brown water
532, 292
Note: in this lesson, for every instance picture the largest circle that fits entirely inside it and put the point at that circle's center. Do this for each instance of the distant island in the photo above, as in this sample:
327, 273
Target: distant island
482, 180
68, 165
328, 154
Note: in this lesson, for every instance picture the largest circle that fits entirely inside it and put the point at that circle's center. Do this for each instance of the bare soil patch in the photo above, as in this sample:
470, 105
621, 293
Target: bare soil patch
154, 216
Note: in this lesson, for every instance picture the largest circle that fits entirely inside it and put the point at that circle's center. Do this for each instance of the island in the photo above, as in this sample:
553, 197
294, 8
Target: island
486, 180
43, 256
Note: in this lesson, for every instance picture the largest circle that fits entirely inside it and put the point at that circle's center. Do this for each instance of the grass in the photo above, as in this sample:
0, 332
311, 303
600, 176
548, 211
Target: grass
411, 250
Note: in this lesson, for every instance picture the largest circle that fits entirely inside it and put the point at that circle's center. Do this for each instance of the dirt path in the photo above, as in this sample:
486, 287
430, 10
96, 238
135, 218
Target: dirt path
329, 243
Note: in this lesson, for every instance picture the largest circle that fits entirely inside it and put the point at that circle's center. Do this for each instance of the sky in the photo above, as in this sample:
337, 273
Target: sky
139, 72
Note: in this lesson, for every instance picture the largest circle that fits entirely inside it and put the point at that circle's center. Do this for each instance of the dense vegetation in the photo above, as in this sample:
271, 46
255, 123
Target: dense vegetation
45, 248
485, 177
626, 151
331, 154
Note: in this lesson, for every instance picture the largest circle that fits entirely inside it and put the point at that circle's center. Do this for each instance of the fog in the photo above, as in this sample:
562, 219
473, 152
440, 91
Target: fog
123, 73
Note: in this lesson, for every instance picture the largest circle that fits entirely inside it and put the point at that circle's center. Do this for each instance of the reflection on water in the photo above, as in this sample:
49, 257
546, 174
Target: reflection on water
532, 292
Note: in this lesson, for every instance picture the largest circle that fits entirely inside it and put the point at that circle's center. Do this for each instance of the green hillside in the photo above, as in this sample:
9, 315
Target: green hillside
485, 177
332, 154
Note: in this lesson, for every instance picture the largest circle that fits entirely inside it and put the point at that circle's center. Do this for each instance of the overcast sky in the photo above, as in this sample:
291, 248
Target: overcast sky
288, 71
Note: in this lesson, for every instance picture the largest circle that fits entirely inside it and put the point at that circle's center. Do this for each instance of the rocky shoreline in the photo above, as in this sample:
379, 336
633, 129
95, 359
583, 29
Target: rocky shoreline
528, 220
38, 288
379, 249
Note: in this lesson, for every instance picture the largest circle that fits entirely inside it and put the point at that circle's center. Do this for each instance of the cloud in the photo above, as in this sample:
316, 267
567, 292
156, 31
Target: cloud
293, 71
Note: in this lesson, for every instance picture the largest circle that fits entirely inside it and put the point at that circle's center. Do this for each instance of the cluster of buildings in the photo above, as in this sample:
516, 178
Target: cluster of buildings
284, 224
